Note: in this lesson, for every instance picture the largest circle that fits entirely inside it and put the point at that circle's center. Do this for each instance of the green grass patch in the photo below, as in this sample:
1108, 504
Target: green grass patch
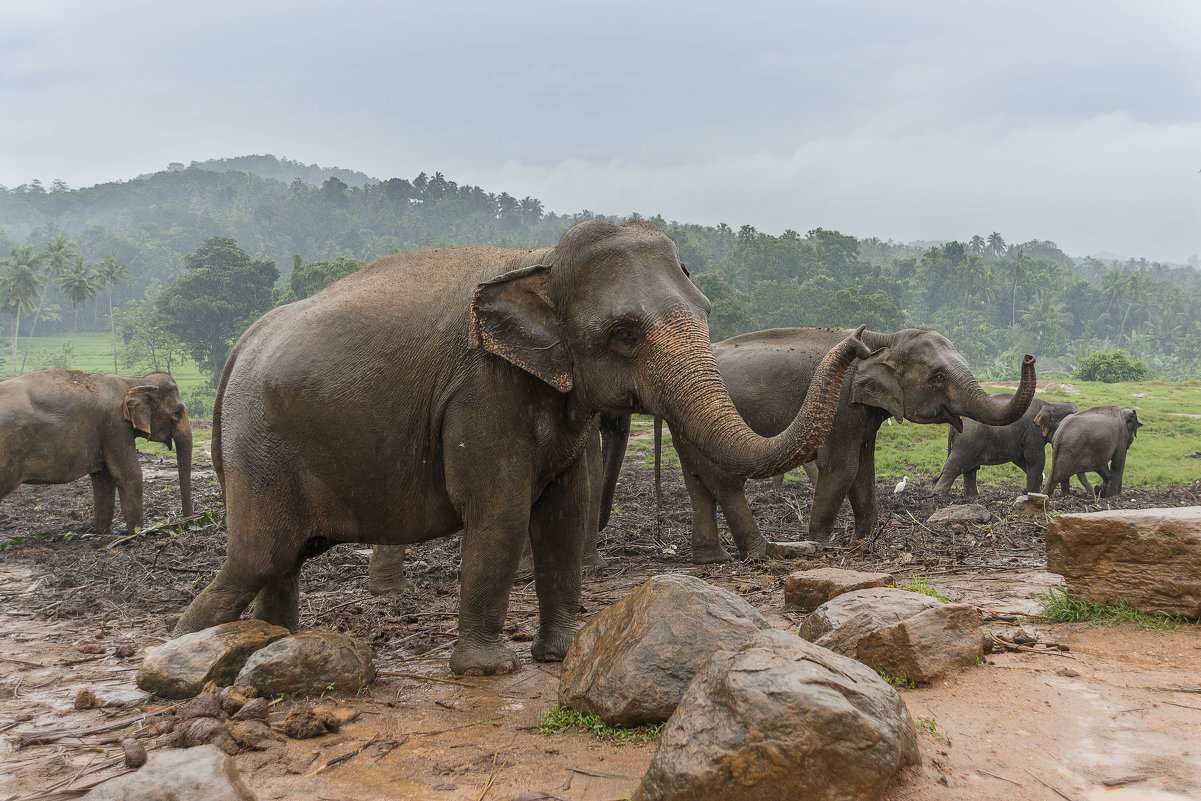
922, 584
1058, 607
562, 720
902, 682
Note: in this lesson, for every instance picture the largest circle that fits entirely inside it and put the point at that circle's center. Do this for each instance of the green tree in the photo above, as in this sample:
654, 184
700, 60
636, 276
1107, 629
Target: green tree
111, 272
56, 256
731, 312
309, 279
18, 288
995, 245
223, 292
79, 284
1111, 367
146, 345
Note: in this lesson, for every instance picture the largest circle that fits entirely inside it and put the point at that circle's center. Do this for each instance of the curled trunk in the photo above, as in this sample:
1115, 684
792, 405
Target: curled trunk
980, 405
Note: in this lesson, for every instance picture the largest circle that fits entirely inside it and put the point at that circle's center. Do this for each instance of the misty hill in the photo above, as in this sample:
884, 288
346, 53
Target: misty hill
269, 166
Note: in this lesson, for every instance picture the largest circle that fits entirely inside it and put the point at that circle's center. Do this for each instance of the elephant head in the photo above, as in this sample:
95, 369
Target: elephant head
612, 318
1050, 416
918, 375
152, 406
1133, 424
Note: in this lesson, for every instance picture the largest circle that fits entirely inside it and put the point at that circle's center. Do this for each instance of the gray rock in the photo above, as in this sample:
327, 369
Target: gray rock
181, 667
310, 663
631, 663
781, 718
195, 774
1150, 558
963, 513
808, 589
793, 550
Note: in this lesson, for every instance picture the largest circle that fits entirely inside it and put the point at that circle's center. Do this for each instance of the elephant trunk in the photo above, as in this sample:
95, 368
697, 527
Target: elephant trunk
183, 455
694, 398
985, 408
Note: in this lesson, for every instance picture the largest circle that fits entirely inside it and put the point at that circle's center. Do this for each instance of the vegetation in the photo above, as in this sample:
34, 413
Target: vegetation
922, 584
563, 720
1111, 367
1058, 607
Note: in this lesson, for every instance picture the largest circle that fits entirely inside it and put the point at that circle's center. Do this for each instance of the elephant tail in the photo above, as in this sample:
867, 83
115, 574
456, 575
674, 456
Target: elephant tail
658, 463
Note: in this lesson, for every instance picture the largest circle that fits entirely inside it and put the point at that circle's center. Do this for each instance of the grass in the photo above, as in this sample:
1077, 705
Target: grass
1058, 607
921, 584
563, 720
901, 682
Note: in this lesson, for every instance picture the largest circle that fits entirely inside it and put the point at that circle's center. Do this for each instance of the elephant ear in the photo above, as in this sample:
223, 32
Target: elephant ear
878, 383
1133, 423
512, 316
139, 402
1043, 422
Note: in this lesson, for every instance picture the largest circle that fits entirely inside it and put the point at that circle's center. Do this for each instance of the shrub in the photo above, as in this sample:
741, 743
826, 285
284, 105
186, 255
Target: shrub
1110, 367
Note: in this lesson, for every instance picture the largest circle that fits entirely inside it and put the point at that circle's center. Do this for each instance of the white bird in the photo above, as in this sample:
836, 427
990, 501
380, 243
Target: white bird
889, 419
900, 487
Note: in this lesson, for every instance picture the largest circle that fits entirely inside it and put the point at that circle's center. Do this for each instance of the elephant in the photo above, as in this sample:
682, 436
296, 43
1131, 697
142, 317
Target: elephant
454, 389
1095, 439
913, 374
1023, 442
59, 425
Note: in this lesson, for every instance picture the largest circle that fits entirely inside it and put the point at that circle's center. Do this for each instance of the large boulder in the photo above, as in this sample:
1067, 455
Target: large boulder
963, 513
203, 773
181, 667
1150, 558
631, 663
781, 718
904, 634
808, 589
309, 663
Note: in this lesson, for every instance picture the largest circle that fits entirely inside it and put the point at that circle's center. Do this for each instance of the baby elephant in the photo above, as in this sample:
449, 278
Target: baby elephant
1095, 439
1022, 442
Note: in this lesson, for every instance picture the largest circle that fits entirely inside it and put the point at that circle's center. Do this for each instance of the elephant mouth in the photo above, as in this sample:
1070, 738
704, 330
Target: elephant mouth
944, 415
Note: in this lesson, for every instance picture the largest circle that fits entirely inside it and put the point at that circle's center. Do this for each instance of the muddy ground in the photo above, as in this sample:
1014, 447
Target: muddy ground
1116, 717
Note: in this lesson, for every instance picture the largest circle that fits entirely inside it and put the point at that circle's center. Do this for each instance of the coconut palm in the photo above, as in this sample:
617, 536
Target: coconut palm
111, 272
996, 245
79, 284
18, 288
57, 255
977, 245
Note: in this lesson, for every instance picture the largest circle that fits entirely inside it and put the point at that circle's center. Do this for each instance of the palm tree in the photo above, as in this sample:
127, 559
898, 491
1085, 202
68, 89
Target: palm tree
977, 245
996, 245
111, 272
79, 283
1019, 268
57, 255
18, 288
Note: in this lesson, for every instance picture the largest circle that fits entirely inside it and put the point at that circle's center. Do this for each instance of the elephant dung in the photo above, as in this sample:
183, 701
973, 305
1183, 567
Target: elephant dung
632, 662
793, 550
309, 663
781, 718
181, 667
1150, 558
905, 634
962, 513
203, 773
808, 589
1034, 503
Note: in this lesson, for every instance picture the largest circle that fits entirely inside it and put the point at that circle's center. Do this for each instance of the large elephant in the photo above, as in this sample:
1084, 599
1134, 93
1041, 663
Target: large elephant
1095, 439
60, 425
1022, 442
913, 374
455, 389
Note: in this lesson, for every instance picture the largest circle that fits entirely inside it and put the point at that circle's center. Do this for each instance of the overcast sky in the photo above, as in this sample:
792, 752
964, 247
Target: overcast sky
1078, 122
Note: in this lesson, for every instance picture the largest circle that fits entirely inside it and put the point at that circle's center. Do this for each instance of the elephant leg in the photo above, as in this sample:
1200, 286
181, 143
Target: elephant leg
730, 492
1088, 488
1113, 481
278, 602
970, 489
777, 482
559, 524
104, 496
863, 500
828, 495
1035, 464
595, 477
386, 572
706, 546
128, 480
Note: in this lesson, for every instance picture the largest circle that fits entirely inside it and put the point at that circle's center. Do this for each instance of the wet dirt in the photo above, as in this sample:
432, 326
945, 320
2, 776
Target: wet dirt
1112, 718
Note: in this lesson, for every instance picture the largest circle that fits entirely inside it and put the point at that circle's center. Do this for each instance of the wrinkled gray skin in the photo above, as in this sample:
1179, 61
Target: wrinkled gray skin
60, 425
1023, 443
455, 389
1095, 439
912, 374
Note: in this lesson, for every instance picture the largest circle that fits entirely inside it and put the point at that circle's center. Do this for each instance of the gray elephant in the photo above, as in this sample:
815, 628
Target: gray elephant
1095, 439
455, 389
1023, 442
60, 425
913, 374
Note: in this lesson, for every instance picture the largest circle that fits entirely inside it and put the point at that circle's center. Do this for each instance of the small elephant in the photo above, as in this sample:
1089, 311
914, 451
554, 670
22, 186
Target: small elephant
1023, 443
1095, 439
60, 425
456, 389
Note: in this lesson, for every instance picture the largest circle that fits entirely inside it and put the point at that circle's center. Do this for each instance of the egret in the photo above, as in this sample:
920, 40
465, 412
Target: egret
900, 487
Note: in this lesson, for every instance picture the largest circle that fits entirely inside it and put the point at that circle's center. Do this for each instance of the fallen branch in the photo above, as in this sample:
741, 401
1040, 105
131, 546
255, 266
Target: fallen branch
1057, 792
24, 738
995, 776
341, 758
400, 675
1017, 647
600, 775
491, 777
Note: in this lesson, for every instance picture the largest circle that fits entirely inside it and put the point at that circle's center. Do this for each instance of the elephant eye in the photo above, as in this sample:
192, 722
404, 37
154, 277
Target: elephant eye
938, 378
625, 334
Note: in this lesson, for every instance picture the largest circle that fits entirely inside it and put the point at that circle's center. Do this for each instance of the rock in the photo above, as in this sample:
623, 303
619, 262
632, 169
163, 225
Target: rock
207, 731
809, 589
181, 667
631, 663
885, 605
781, 718
124, 651
1150, 558
1034, 503
310, 663
303, 722
86, 699
134, 751
195, 774
235, 697
793, 550
254, 735
254, 709
204, 705
963, 513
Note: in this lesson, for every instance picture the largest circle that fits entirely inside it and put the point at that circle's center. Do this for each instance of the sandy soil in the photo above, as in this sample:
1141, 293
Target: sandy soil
1116, 717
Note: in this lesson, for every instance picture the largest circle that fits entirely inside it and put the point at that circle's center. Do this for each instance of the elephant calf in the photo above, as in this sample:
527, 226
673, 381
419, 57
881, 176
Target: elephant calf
1022, 442
1095, 439
60, 425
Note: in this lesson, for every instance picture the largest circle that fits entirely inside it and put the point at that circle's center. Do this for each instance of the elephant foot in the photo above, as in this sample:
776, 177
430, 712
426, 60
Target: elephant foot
378, 584
709, 555
551, 645
473, 659
594, 560
755, 550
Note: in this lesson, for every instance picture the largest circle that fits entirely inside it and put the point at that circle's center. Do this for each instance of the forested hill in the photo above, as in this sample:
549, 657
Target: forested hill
995, 300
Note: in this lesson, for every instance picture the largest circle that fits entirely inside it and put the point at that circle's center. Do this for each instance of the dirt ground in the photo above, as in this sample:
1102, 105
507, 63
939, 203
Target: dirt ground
1115, 717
